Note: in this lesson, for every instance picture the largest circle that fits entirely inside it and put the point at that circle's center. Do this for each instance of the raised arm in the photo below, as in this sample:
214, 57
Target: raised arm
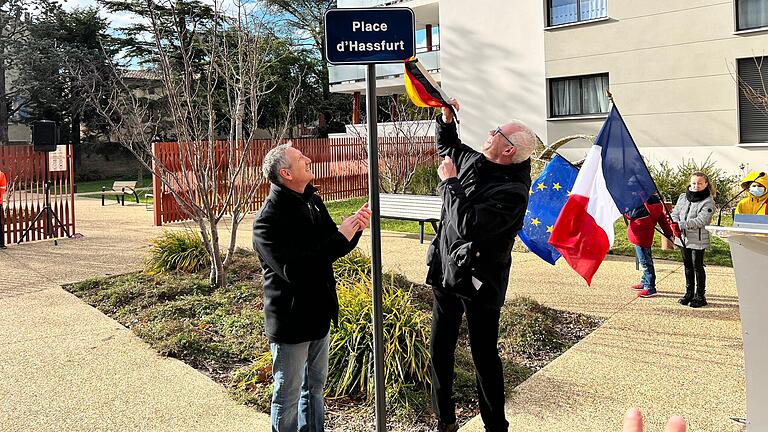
447, 137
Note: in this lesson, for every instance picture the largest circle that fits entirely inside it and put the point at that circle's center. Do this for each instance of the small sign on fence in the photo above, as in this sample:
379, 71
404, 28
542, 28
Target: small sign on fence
57, 160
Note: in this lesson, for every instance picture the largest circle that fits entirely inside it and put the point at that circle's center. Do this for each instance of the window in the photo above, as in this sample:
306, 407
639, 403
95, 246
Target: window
581, 95
751, 14
571, 11
753, 121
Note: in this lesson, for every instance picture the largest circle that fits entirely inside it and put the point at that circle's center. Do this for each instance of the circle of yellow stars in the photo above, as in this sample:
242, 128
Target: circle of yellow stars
541, 186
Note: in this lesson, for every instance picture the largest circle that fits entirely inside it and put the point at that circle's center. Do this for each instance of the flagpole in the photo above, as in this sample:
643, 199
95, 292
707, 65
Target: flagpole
658, 192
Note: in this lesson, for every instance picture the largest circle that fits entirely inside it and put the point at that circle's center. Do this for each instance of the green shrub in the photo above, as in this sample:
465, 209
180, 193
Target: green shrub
672, 181
352, 266
425, 180
177, 250
406, 336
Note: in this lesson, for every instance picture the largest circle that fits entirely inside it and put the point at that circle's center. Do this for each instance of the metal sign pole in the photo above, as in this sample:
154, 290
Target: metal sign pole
373, 202
367, 36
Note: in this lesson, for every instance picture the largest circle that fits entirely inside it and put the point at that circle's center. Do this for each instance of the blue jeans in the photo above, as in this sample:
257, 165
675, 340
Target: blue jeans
645, 257
299, 371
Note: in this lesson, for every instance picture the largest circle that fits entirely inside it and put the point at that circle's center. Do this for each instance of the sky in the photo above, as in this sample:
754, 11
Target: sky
116, 20
124, 19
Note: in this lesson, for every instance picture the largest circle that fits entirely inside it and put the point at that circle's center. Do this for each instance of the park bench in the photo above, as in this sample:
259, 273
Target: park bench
120, 189
419, 208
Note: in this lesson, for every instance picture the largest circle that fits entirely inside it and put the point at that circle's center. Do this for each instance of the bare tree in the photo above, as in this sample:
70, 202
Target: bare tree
209, 97
399, 161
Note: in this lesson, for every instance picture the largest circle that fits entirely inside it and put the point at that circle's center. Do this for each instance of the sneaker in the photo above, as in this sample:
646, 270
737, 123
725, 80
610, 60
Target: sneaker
646, 293
638, 287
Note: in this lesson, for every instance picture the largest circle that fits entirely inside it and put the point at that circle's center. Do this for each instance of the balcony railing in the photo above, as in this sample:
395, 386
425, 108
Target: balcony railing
347, 73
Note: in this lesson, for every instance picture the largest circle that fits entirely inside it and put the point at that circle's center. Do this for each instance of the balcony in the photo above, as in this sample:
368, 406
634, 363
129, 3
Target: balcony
351, 79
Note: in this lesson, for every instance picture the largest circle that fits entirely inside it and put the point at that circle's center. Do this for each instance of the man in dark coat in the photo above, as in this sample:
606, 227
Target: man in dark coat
297, 242
485, 195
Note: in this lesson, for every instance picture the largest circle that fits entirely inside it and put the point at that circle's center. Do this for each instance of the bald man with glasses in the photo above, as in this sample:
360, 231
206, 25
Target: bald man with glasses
485, 195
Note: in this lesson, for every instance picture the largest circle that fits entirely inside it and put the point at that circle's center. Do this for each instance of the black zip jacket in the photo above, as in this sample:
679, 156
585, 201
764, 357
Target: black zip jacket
297, 242
483, 210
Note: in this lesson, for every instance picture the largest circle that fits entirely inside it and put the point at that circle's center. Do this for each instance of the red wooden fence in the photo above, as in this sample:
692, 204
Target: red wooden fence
25, 171
340, 167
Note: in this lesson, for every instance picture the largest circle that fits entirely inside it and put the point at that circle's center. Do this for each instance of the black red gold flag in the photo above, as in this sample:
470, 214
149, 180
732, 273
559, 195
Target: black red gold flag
422, 88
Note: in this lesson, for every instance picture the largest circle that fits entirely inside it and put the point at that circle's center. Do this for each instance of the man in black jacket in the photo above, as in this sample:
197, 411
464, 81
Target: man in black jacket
485, 195
297, 242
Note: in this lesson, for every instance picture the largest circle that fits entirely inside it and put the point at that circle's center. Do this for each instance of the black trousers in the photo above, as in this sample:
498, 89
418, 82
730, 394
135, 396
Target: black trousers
693, 260
483, 326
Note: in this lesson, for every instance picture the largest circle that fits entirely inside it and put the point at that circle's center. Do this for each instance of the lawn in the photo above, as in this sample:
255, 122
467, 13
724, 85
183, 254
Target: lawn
96, 185
344, 208
719, 254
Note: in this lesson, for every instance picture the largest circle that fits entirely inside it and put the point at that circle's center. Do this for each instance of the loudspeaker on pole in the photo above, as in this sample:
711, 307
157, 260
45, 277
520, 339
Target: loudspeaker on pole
45, 135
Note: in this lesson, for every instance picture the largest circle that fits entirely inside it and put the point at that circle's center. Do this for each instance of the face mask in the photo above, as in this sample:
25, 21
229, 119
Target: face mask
757, 191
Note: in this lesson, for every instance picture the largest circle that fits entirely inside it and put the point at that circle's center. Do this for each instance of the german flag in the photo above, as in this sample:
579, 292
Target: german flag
422, 88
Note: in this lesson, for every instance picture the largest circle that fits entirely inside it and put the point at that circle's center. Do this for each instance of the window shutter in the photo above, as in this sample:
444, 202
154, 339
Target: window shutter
753, 121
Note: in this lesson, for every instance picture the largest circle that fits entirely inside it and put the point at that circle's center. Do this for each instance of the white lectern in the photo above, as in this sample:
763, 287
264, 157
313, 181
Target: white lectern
748, 241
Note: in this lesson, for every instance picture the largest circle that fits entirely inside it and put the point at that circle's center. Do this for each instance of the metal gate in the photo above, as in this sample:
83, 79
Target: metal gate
25, 171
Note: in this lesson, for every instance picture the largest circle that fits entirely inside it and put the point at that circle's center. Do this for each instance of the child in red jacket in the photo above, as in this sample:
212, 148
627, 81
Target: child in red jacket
642, 222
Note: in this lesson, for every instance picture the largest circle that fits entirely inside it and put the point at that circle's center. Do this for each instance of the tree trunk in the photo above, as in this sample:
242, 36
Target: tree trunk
74, 139
232, 237
218, 275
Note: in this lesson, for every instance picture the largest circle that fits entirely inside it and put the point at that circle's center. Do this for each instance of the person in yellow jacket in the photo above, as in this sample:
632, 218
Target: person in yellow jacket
755, 201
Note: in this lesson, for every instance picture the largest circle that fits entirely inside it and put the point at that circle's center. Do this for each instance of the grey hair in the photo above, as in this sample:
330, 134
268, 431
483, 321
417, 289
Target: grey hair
525, 140
274, 161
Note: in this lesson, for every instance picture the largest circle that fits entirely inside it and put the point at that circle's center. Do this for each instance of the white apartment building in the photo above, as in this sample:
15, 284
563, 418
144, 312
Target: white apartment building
673, 67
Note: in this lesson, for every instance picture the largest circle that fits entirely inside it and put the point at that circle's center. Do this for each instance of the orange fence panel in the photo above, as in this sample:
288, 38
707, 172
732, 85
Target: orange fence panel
340, 166
25, 171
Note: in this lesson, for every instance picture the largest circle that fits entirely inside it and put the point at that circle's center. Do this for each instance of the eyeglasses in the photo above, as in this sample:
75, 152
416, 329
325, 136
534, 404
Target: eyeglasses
498, 131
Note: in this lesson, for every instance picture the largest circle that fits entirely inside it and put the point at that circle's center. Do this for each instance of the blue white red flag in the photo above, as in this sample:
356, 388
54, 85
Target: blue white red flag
613, 180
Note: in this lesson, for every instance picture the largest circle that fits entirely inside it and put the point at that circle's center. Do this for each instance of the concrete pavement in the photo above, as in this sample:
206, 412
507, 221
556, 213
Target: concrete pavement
654, 354
65, 366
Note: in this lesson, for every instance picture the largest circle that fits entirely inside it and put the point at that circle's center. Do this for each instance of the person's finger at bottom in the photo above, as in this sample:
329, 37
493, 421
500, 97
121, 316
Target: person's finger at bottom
633, 421
675, 424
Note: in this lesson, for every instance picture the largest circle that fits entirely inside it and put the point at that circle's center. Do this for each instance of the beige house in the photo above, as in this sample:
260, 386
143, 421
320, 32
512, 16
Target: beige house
673, 68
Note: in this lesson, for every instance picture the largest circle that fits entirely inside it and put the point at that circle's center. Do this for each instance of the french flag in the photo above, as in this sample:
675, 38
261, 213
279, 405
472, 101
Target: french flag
613, 180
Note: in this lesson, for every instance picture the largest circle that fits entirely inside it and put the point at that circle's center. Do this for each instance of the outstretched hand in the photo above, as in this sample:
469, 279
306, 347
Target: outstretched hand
633, 422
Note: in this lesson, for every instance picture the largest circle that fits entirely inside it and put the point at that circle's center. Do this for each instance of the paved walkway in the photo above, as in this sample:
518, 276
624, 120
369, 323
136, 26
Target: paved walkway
653, 354
66, 367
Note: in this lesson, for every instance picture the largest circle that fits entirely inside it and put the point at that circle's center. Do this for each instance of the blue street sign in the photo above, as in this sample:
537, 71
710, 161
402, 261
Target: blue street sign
367, 36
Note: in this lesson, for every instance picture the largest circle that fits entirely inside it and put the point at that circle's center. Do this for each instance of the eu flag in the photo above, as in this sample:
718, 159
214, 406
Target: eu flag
549, 192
